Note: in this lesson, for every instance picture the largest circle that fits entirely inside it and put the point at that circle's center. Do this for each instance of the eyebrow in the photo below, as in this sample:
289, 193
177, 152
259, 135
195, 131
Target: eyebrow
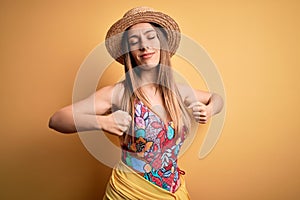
147, 31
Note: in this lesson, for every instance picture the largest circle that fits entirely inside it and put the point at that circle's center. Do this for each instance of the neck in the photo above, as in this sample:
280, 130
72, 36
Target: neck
150, 89
148, 77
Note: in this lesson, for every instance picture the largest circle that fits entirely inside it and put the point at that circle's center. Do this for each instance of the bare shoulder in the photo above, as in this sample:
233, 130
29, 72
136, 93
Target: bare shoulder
184, 90
118, 93
108, 96
190, 94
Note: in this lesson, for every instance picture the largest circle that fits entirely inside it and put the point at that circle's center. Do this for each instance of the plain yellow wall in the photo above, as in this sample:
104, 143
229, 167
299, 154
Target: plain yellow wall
255, 45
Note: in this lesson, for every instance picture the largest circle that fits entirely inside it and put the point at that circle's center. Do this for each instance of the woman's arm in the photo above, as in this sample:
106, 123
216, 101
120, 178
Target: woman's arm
205, 109
203, 104
215, 103
89, 114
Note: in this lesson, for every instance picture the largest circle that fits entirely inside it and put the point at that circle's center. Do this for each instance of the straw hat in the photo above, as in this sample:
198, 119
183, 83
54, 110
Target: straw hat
137, 15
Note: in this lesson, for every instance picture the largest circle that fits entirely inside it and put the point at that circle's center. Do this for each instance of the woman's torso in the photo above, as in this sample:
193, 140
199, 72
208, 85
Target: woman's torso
153, 150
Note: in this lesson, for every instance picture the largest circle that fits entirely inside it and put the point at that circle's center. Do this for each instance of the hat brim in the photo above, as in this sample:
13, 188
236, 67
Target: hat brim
114, 35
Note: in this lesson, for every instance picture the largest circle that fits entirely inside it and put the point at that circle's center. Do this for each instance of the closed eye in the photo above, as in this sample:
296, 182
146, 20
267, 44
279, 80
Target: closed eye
151, 37
133, 41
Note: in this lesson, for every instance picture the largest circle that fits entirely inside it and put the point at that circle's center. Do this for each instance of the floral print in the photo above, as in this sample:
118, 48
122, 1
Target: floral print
140, 146
153, 151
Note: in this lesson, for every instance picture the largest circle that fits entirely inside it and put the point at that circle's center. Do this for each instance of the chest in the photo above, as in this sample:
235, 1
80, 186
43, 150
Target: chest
149, 128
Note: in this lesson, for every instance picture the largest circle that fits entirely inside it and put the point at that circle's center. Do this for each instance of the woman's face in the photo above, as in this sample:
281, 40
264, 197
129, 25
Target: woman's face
144, 45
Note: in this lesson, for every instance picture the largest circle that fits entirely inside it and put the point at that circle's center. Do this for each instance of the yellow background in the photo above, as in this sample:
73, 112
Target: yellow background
255, 45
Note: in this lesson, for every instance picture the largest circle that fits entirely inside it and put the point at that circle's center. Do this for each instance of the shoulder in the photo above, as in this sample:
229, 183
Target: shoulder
111, 89
110, 95
185, 91
190, 95
118, 92
182, 87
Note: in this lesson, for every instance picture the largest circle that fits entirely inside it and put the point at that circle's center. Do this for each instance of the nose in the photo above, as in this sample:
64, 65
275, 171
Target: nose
144, 44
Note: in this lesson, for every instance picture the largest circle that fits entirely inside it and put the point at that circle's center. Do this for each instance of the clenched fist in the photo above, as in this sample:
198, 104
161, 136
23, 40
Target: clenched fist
116, 123
201, 112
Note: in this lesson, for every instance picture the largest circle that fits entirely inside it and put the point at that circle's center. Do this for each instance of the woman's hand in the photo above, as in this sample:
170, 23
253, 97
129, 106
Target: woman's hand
203, 104
116, 123
201, 112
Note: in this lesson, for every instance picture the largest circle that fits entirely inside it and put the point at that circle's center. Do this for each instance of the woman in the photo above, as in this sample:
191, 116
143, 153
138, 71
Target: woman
148, 111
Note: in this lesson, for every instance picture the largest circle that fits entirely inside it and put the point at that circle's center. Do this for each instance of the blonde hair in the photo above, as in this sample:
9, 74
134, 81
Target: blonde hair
173, 102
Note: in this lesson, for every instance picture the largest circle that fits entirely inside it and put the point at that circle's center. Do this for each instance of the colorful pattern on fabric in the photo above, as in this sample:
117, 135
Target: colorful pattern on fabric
154, 150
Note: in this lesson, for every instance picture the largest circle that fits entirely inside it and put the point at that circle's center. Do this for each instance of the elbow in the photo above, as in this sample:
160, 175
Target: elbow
56, 123
218, 103
52, 122
221, 103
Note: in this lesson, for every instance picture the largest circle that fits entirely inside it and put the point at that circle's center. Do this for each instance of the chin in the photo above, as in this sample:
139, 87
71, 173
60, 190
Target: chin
149, 66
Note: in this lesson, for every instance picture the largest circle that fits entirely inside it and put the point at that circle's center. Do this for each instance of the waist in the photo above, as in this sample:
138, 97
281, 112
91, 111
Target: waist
160, 169
132, 186
150, 162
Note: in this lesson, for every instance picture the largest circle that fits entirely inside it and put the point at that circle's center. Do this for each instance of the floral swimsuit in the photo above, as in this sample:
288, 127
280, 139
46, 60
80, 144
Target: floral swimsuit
154, 150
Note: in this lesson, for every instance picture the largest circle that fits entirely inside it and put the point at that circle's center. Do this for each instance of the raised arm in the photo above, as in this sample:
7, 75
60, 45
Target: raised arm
203, 104
90, 114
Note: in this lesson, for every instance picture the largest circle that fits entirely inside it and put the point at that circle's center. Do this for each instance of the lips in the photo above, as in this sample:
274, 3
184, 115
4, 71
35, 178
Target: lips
147, 55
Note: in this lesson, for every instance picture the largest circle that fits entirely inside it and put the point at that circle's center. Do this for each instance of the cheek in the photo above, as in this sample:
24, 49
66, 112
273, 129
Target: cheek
158, 55
156, 45
134, 54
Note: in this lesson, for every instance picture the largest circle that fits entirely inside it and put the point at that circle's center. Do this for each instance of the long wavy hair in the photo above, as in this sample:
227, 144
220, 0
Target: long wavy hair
167, 87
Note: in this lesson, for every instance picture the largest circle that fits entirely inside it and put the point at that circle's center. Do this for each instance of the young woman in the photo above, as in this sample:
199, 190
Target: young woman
148, 111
